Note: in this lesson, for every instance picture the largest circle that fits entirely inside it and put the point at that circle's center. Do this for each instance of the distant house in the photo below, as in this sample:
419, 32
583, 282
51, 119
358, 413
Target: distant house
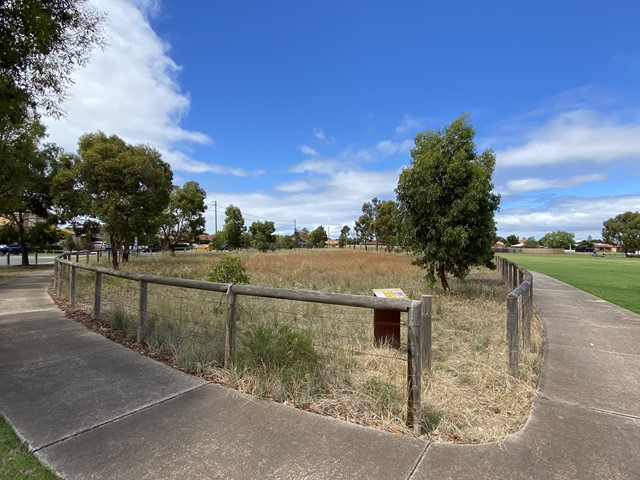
332, 243
605, 247
204, 238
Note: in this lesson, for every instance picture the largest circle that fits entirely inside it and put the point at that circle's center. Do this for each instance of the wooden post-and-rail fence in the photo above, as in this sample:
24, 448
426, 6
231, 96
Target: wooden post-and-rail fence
519, 309
418, 326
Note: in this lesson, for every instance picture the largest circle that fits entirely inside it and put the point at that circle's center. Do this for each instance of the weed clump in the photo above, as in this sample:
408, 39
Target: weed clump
228, 270
282, 361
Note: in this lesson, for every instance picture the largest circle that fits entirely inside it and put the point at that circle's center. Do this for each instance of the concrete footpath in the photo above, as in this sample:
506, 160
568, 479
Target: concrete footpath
92, 409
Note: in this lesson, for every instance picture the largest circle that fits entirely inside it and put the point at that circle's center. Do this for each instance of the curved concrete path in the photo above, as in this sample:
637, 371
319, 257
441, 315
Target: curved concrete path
91, 409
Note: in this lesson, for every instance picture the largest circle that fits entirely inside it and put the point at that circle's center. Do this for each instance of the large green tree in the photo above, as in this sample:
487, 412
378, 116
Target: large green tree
558, 239
126, 187
513, 240
623, 229
344, 236
263, 235
317, 238
387, 223
183, 219
445, 196
41, 43
234, 226
25, 179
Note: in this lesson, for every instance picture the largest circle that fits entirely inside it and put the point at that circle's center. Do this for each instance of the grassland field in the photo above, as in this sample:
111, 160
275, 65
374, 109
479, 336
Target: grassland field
469, 397
614, 278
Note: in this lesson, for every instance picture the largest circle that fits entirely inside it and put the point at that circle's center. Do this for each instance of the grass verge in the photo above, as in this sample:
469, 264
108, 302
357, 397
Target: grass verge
16, 462
613, 278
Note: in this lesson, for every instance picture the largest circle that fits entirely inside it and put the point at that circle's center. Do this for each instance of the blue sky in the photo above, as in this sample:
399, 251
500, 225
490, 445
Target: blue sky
301, 111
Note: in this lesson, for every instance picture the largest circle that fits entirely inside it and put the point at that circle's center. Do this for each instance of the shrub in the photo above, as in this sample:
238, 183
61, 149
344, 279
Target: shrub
228, 270
284, 359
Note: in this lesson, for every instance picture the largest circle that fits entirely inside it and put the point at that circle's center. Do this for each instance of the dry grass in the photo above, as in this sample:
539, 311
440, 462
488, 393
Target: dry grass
469, 397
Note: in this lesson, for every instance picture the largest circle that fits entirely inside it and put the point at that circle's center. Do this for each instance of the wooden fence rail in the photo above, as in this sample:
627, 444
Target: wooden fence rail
519, 309
418, 327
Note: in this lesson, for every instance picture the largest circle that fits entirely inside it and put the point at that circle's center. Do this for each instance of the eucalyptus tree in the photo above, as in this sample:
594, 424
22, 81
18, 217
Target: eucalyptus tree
41, 44
234, 226
25, 176
445, 196
183, 219
125, 187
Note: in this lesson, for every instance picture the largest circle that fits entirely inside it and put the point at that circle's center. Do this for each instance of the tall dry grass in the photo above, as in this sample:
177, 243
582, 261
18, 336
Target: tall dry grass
469, 397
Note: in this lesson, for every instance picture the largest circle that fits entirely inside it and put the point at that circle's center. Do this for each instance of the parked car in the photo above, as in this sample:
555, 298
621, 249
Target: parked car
13, 249
203, 247
151, 248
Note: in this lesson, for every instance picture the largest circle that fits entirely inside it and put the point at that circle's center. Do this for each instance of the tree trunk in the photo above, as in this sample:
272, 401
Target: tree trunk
22, 233
442, 275
115, 247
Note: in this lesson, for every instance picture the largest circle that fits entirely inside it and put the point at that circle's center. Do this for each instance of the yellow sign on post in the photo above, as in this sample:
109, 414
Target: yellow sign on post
389, 293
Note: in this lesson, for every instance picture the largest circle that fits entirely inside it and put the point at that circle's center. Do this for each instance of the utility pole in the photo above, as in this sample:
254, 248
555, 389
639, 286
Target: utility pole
215, 211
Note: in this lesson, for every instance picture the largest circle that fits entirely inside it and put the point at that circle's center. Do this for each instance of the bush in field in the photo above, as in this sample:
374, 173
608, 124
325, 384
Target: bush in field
283, 358
228, 270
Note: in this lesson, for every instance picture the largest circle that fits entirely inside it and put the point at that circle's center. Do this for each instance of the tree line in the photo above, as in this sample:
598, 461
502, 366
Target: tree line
622, 231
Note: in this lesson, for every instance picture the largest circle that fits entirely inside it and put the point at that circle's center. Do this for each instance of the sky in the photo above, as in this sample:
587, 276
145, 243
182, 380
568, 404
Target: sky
299, 111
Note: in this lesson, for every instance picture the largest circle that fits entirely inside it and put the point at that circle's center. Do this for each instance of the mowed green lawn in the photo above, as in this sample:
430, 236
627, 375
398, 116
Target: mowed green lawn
614, 278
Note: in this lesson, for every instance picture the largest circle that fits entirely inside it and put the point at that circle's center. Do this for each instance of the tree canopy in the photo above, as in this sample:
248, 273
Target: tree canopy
387, 223
558, 239
512, 240
317, 238
623, 229
263, 235
41, 43
27, 164
445, 196
183, 219
234, 227
126, 187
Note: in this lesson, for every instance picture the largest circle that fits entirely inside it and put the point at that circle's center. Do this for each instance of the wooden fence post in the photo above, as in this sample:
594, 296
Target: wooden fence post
97, 298
525, 312
425, 333
142, 312
56, 268
230, 327
73, 285
512, 333
414, 374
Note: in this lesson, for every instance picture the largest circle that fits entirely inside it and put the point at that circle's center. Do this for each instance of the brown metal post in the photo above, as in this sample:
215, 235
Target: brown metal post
386, 327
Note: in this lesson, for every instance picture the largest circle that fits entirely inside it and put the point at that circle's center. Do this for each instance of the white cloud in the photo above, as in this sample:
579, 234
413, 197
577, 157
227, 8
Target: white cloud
524, 185
293, 187
333, 201
181, 162
410, 124
316, 166
388, 147
575, 137
580, 215
319, 134
307, 150
130, 89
